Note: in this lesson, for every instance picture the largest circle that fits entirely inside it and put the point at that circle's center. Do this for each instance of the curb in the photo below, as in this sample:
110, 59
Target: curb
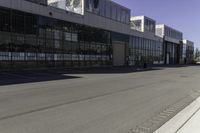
178, 121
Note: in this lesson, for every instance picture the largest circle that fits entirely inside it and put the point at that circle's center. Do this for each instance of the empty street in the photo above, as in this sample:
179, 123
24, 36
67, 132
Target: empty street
117, 101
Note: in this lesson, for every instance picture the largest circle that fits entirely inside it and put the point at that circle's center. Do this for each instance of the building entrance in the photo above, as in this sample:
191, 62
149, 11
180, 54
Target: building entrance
118, 54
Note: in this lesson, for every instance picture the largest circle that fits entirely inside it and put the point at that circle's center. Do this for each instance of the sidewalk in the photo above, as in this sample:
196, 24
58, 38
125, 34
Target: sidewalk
193, 125
187, 121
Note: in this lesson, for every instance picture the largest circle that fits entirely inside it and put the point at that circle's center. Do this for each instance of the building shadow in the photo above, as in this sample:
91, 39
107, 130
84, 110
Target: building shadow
22, 77
107, 70
33, 76
176, 66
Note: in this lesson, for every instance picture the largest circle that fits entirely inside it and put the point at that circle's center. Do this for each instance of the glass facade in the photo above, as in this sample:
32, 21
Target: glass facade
184, 51
28, 40
149, 25
172, 53
187, 52
173, 33
109, 9
34, 41
172, 44
142, 50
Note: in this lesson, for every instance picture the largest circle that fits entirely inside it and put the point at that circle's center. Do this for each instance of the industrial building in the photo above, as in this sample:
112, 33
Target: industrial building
187, 52
172, 43
144, 45
81, 33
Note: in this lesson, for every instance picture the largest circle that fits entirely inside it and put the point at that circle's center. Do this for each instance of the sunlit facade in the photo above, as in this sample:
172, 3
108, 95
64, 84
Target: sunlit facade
108, 9
29, 39
187, 52
145, 50
144, 46
143, 24
76, 6
172, 43
81, 33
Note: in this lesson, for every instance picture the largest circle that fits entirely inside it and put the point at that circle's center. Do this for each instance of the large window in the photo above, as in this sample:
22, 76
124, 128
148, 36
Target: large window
149, 25
4, 20
30, 24
119, 13
173, 33
123, 16
102, 8
108, 9
17, 22
41, 41
114, 12
143, 50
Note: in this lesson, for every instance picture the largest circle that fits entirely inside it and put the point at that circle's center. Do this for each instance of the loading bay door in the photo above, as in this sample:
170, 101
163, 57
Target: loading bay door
118, 54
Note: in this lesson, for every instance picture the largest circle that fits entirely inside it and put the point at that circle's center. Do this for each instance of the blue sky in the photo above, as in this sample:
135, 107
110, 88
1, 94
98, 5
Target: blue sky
183, 15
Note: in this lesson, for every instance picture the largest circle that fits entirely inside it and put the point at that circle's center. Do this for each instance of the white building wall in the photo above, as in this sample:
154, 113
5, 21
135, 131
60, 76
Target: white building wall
141, 18
145, 27
160, 30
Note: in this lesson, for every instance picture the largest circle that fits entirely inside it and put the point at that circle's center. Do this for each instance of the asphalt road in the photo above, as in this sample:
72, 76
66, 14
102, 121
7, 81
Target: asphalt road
118, 102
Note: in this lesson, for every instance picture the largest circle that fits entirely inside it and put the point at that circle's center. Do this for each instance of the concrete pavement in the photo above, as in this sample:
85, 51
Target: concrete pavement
193, 125
186, 121
98, 103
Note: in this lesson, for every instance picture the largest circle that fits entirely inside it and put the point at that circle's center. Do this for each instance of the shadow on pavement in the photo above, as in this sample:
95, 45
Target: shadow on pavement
119, 70
32, 76
176, 66
11, 78
108, 70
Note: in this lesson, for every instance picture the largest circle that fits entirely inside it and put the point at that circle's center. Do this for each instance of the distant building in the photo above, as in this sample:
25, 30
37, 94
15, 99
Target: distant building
188, 52
172, 43
144, 46
143, 24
